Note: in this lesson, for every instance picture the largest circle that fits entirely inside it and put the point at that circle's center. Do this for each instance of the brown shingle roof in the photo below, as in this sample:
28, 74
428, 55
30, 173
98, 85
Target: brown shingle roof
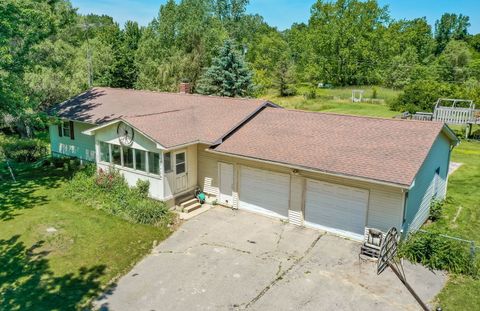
170, 118
386, 150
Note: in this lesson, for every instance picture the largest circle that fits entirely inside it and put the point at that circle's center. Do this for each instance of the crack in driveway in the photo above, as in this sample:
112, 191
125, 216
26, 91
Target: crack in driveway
281, 275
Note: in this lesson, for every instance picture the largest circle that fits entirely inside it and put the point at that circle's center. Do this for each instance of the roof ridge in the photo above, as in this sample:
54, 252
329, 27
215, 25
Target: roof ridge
181, 94
156, 113
354, 116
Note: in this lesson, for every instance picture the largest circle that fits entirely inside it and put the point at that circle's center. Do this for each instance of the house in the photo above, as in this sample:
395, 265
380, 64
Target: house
334, 172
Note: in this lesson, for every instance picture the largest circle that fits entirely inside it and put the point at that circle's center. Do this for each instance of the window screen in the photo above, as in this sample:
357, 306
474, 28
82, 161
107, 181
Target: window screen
116, 157
154, 163
127, 157
104, 152
140, 160
167, 159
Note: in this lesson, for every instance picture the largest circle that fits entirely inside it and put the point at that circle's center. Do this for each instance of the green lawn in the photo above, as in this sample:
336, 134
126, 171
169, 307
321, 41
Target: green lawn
462, 292
64, 269
337, 100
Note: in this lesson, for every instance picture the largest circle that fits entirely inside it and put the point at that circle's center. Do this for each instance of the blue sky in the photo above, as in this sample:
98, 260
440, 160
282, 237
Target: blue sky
283, 13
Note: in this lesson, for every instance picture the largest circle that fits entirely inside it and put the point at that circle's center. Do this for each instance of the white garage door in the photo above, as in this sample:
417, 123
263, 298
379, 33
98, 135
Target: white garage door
336, 208
264, 192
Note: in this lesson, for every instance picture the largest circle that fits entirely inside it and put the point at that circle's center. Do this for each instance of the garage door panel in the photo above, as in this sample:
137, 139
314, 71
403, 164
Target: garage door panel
264, 191
335, 206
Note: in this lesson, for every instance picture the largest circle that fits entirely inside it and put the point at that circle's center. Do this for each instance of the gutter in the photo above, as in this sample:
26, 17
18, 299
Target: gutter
298, 167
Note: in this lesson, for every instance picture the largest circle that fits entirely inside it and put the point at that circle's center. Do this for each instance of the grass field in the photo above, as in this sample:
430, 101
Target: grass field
60, 270
337, 100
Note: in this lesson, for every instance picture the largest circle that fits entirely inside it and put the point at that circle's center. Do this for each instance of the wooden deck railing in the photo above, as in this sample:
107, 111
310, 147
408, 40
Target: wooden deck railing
454, 115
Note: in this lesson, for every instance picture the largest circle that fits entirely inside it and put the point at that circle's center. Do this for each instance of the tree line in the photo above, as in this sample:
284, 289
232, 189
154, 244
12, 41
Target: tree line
49, 52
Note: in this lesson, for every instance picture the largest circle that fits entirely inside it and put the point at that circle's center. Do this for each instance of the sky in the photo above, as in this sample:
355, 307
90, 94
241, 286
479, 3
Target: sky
283, 13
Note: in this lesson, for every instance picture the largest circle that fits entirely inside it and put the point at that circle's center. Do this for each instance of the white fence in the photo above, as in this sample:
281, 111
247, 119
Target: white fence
454, 115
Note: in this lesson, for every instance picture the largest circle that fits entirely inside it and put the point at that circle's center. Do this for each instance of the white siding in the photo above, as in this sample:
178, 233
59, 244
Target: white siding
109, 134
82, 146
169, 185
385, 207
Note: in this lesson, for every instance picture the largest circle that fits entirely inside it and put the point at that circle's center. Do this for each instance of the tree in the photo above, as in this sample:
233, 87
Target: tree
346, 49
454, 62
450, 27
228, 75
284, 77
177, 45
126, 71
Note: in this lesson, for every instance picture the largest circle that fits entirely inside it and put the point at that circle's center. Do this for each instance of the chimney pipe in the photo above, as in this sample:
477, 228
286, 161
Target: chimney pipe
184, 88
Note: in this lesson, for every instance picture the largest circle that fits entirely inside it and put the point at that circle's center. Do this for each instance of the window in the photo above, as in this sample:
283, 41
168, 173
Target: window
154, 163
140, 160
104, 152
436, 182
167, 162
180, 163
116, 155
127, 157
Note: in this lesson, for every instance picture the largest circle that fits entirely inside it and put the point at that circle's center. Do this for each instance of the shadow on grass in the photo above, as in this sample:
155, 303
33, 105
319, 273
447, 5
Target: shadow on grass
28, 283
20, 195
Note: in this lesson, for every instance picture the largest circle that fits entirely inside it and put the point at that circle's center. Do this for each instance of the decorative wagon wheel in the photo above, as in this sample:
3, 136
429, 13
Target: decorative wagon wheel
125, 134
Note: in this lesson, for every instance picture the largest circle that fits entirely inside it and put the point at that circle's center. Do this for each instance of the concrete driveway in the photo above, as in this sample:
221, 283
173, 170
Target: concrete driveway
228, 260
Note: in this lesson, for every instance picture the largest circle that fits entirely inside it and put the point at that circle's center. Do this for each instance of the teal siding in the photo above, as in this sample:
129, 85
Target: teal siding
426, 184
82, 146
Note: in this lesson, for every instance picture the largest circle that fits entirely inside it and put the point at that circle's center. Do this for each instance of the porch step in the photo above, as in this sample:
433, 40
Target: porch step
188, 203
192, 207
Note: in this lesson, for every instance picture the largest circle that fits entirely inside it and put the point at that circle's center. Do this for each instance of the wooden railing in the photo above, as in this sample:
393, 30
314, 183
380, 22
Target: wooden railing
454, 115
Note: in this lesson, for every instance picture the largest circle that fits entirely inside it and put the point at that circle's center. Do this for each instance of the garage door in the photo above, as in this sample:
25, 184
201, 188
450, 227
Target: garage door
264, 192
336, 208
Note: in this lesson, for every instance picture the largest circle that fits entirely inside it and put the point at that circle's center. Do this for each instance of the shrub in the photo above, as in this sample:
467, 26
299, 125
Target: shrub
108, 190
374, 92
421, 95
436, 209
142, 187
311, 94
23, 149
440, 253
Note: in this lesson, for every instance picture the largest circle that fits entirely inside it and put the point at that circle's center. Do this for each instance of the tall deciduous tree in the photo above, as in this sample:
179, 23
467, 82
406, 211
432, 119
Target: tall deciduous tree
346, 49
228, 75
450, 27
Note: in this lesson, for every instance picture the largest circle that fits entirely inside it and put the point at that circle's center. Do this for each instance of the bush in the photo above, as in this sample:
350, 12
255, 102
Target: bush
311, 94
436, 209
23, 149
108, 190
143, 187
440, 253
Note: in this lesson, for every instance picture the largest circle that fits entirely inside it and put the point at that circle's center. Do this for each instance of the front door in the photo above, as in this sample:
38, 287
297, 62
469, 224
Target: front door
181, 174
226, 184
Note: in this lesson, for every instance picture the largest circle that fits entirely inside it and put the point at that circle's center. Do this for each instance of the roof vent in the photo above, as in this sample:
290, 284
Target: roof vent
184, 88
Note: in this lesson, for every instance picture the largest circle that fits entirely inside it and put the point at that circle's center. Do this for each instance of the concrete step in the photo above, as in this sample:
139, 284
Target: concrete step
192, 207
188, 203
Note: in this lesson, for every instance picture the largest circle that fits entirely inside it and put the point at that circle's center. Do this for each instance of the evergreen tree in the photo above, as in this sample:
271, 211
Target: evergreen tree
228, 75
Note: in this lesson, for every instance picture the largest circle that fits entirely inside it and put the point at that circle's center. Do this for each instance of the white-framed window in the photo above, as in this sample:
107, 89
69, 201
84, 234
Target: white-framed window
104, 151
180, 164
167, 162
66, 129
116, 155
127, 157
154, 163
140, 160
